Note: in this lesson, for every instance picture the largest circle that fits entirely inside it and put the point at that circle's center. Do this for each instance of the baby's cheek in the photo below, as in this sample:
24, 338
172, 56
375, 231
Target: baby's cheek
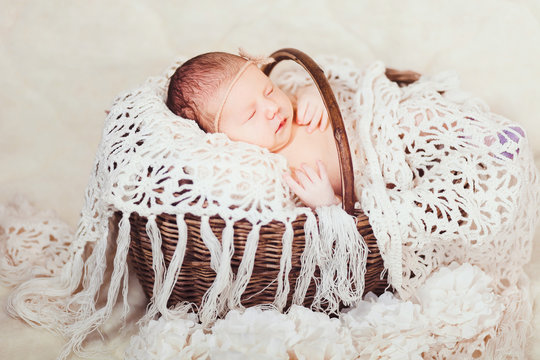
287, 102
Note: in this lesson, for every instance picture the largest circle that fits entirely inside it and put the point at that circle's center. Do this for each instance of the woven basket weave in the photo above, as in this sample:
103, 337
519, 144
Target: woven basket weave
196, 275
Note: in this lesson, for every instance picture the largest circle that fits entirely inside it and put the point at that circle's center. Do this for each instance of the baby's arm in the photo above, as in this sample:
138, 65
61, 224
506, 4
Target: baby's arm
310, 109
313, 188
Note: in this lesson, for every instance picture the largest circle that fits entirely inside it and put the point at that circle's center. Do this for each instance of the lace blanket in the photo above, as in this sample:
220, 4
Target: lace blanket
441, 178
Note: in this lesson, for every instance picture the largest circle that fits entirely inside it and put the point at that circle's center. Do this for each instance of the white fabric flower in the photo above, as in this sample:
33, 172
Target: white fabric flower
253, 334
319, 336
388, 328
168, 340
460, 302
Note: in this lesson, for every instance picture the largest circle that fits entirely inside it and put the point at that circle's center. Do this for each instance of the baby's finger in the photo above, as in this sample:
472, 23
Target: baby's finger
300, 112
324, 121
309, 114
314, 124
310, 172
303, 179
295, 187
322, 171
319, 117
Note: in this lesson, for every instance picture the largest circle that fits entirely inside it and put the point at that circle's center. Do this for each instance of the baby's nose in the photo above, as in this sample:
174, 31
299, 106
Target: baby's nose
271, 109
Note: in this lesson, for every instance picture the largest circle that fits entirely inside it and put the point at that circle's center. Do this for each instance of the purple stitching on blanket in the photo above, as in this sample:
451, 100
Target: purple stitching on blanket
514, 133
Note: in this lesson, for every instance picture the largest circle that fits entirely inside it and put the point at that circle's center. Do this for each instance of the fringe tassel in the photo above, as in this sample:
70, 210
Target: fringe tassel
94, 271
125, 285
80, 330
175, 266
213, 300
246, 267
211, 242
158, 265
284, 268
31, 300
342, 256
308, 260
81, 315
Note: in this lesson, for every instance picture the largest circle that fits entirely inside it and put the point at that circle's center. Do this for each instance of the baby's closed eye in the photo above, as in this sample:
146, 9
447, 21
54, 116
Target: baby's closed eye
252, 114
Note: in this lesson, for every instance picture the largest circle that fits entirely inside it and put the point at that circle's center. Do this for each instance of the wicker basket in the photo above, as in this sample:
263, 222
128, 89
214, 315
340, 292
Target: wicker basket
196, 275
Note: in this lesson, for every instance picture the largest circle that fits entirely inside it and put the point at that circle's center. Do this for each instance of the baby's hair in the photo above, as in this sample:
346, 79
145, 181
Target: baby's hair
197, 81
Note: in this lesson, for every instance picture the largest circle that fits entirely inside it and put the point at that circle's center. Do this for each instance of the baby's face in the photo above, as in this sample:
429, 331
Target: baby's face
257, 112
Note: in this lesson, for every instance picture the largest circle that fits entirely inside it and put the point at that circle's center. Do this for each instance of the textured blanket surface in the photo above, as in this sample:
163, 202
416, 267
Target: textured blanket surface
496, 62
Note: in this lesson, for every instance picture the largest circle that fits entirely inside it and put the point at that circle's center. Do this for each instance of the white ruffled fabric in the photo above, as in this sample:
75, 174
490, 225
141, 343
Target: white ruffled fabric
444, 313
456, 300
387, 328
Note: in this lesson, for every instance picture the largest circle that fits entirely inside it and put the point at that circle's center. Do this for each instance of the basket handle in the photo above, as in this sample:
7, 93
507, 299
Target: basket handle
402, 77
330, 102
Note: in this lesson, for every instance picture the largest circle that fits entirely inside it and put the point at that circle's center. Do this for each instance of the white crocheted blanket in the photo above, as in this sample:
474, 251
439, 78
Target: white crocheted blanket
450, 189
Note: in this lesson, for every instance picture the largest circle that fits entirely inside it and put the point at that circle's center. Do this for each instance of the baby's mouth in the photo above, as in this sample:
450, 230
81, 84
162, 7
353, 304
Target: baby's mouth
281, 124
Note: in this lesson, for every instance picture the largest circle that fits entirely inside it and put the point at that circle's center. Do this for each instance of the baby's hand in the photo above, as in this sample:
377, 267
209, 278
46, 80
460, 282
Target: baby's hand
313, 188
310, 109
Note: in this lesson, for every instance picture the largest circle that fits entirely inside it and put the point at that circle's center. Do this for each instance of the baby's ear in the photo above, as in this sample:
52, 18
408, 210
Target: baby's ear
188, 113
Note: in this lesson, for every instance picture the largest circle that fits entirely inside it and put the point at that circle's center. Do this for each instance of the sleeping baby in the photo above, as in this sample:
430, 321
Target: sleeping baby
226, 93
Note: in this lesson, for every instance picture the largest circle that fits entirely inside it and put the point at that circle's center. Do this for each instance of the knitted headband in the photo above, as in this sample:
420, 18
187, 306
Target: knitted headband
256, 60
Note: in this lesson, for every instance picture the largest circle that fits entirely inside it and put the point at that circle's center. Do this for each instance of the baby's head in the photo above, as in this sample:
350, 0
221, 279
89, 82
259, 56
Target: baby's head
196, 85
229, 94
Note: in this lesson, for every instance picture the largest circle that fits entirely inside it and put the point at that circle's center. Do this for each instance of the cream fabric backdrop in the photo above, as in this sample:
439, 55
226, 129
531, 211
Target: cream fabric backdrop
63, 62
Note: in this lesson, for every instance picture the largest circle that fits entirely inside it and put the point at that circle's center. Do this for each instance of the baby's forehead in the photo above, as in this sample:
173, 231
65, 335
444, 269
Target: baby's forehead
253, 77
251, 83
